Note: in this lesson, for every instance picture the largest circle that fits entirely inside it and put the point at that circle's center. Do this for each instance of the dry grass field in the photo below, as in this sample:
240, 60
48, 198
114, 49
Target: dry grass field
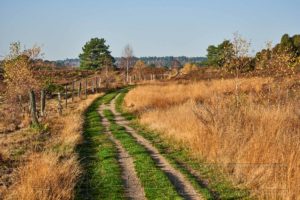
250, 127
42, 163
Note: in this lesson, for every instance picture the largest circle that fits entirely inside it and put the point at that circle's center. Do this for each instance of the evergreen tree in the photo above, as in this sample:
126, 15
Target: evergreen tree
296, 43
217, 55
95, 55
212, 55
286, 43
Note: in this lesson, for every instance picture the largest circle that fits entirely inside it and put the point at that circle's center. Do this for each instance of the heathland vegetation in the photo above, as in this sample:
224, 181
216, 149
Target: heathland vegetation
225, 127
245, 120
250, 132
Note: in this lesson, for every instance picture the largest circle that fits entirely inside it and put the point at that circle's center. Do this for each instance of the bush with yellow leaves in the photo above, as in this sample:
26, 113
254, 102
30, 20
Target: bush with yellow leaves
188, 68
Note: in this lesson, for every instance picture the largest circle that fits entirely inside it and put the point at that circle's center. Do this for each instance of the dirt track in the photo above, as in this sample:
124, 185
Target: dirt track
133, 187
183, 187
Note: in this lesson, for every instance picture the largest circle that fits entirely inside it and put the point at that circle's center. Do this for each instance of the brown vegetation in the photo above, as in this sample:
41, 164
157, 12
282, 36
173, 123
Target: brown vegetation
42, 164
248, 126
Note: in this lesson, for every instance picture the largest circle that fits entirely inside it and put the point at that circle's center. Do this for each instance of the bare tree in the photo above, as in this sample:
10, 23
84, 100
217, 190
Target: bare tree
128, 55
238, 58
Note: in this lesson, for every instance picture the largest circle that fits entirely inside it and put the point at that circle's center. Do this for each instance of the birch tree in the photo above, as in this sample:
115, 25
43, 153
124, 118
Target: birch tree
128, 55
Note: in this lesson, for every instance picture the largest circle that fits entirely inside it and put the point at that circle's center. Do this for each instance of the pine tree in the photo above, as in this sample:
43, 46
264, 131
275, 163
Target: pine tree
95, 55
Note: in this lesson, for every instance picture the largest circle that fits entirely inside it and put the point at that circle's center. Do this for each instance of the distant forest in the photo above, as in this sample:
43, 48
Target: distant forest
75, 62
166, 61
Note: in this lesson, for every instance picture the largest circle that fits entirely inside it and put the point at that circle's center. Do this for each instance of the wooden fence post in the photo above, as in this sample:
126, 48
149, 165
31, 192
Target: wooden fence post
66, 95
73, 86
86, 85
93, 86
79, 90
59, 104
97, 84
34, 119
43, 102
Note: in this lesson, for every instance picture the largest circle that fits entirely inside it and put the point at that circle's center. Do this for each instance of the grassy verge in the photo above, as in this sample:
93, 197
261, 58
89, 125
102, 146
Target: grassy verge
102, 178
207, 179
156, 184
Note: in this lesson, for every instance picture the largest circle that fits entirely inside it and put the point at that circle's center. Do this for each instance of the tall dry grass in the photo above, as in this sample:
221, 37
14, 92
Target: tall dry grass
52, 173
253, 133
45, 177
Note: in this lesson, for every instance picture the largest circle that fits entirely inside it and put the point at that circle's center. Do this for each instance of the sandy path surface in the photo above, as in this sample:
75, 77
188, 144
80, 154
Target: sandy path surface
184, 187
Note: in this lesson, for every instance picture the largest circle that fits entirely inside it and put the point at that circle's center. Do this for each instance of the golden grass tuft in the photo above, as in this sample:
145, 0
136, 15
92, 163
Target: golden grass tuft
52, 172
252, 133
46, 177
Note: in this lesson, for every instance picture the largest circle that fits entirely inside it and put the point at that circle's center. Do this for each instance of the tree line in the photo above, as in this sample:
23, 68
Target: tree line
96, 54
234, 54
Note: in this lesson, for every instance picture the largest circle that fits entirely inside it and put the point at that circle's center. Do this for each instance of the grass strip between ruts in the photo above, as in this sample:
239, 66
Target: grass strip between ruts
155, 182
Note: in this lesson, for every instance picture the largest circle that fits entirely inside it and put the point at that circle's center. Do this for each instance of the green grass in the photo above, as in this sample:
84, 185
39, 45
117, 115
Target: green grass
102, 173
108, 97
155, 182
213, 183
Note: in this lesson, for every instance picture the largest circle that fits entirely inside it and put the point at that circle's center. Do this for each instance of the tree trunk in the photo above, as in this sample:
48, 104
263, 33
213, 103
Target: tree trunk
34, 119
79, 90
237, 99
43, 102
127, 66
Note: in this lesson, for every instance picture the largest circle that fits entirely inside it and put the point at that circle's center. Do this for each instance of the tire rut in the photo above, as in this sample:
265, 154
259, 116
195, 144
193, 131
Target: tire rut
183, 187
133, 187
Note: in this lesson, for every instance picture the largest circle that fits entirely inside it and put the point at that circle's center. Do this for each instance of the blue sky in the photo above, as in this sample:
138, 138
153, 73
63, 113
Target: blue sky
152, 27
